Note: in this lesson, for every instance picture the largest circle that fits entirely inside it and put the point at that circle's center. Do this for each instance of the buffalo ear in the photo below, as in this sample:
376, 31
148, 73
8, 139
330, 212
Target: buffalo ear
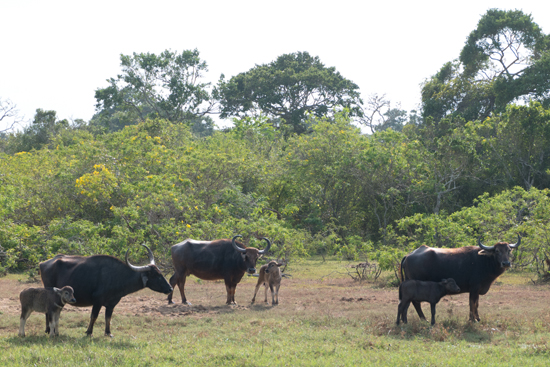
485, 253
57, 290
144, 278
280, 264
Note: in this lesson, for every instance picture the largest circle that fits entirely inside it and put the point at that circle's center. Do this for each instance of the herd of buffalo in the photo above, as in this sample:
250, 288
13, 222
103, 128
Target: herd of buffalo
427, 275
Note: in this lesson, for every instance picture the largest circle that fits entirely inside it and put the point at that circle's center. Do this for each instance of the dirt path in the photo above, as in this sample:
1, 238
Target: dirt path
340, 297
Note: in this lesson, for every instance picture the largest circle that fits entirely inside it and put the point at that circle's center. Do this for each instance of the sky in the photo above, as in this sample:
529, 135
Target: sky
55, 54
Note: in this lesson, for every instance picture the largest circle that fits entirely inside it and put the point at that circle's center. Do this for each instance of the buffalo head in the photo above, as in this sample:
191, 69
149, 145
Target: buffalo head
501, 251
150, 274
250, 254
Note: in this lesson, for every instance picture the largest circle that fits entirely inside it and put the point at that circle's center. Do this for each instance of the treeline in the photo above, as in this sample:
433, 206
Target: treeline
294, 167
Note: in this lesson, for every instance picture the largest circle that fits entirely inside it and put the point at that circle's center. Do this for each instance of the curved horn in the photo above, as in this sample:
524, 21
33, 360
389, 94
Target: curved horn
242, 250
140, 269
265, 250
149, 255
486, 248
514, 245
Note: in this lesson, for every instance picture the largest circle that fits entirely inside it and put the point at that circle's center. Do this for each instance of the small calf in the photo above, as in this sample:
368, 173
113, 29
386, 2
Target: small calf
46, 300
419, 291
270, 275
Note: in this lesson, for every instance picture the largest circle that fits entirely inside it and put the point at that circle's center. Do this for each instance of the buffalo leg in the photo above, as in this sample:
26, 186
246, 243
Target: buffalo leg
256, 291
404, 311
432, 306
398, 313
272, 294
54, 324
277, 294
474, 304
231, 294
108, 316
93, 318
25, 313
266, 286
233, 291
181, 285
173, 283
230, 288
400, 308
47, 323
418, 309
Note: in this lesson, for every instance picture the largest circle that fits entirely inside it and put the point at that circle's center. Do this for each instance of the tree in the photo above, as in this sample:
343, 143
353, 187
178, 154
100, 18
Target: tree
518, 144
166, 86
287, 90
41, 132
9, 115
505, 59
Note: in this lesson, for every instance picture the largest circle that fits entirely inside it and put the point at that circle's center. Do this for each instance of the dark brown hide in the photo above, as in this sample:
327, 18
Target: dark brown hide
101, 281
473, 268
212, 260
419, 291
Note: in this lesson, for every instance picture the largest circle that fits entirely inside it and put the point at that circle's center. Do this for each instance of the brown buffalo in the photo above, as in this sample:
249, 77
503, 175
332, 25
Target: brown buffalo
211, 260
270, 276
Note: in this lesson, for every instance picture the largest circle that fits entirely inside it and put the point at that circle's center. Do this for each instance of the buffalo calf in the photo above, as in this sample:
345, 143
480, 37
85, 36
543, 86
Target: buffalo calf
270, 276
46, 300
419, 291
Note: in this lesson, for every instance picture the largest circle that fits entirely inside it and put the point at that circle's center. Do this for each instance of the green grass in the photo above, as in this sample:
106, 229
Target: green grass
320, 331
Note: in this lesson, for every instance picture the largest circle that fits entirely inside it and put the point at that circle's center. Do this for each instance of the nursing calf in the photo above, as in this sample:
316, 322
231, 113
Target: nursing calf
46, 300
270, 276
419, 291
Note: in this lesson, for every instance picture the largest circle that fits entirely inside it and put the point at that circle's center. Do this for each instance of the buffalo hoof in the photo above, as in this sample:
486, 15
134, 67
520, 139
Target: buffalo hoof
170, 302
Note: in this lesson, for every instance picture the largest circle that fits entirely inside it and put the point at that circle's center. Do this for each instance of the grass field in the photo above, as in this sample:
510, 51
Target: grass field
324, 319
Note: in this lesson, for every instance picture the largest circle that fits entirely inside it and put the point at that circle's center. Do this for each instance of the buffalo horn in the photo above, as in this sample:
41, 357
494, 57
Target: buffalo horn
137, 268
235, 245
486, 248
265, 250
514, 245
149, 255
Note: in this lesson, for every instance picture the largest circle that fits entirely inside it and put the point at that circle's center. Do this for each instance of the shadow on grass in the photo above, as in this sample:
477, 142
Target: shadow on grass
65, 340
183, 309
261, 307
449, 329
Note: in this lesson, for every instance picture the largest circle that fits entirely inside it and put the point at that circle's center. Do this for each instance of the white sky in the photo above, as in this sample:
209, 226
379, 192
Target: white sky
55, 54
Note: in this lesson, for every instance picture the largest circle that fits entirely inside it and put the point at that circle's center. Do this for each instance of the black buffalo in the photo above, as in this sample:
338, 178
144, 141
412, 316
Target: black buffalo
211, 260
474, 268
101, 280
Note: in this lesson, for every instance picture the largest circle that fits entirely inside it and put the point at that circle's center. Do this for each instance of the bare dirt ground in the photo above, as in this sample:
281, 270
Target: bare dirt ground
338, 297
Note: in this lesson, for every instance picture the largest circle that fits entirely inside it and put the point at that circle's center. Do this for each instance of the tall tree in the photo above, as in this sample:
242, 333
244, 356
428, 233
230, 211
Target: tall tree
518, 144
166, 85
506, 58
287, 90
41, 132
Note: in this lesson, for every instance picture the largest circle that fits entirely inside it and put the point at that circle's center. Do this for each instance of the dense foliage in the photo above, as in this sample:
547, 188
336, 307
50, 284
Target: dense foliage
148, 168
